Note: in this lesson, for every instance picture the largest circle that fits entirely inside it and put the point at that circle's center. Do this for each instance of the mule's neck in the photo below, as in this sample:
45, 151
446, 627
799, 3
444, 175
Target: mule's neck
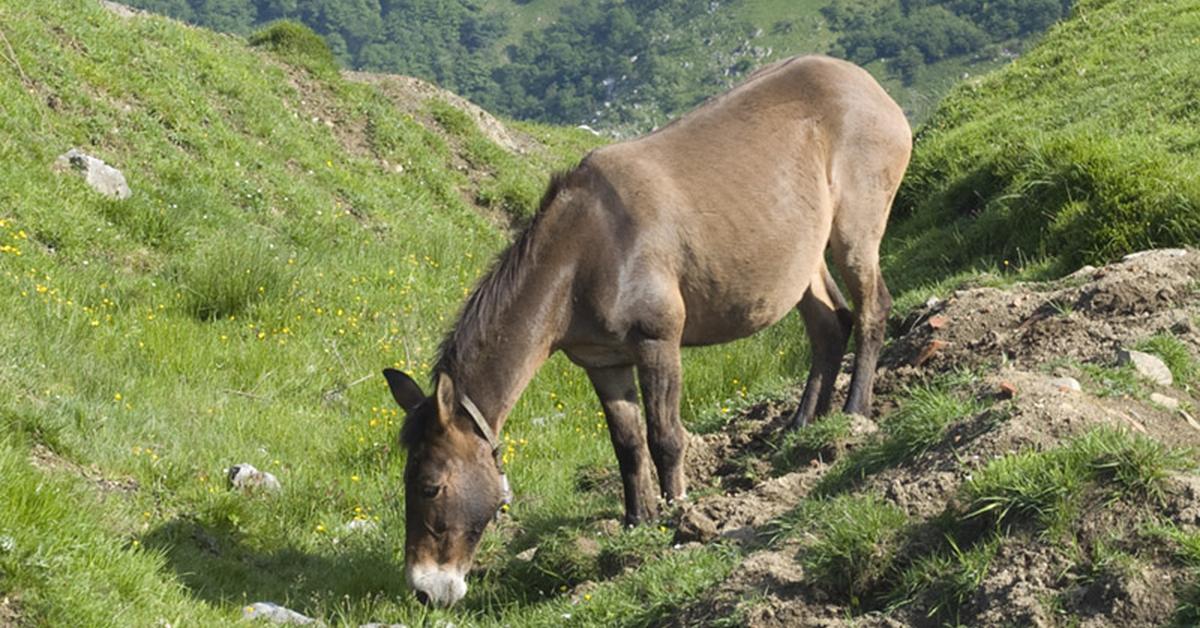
504, 335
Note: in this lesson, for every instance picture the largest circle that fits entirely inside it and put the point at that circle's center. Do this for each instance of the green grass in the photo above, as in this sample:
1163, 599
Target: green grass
940, 583
1082, 150
1046, 488
1114, 381
919, 424
239, 307
824, 437
848, 542
1185, 371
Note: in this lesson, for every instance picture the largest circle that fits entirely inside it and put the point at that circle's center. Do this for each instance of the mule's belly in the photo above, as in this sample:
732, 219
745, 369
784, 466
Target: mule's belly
744, 299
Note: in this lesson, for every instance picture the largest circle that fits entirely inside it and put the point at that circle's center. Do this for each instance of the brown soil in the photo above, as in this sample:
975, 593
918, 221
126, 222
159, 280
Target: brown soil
1015, 342
46, 460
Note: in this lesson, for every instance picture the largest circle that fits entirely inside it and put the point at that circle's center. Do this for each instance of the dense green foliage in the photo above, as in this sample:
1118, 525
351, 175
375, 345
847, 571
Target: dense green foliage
913, 33
1085, 149
630, 66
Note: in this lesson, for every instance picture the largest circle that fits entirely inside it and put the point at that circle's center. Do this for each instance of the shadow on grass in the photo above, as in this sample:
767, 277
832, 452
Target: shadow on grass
218, 565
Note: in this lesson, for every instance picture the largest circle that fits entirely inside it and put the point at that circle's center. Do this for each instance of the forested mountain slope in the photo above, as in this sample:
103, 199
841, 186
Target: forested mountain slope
629, 66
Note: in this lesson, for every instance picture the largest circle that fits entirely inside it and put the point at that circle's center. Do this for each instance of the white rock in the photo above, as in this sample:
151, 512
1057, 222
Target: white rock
275, 614
244, 477
359, 525
102, 177
1148, 366
1169, 403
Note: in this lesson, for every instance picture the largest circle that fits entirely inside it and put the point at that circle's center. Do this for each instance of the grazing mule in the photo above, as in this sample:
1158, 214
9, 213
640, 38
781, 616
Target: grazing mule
702, 232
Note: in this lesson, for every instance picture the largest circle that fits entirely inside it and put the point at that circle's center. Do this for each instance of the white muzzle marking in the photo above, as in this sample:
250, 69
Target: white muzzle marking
443, 586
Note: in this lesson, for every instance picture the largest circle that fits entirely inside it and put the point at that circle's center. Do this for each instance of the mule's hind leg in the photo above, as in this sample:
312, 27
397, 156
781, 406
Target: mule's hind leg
827, 321
858, 230
618, 395
660, 375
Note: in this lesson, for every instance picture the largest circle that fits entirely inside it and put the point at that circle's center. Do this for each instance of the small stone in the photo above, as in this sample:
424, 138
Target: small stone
1008, 390
937, 321
1148, 366
275, 614
100, 176
1169, 403
932, 303
1066, 384
527, 555
359, 525
246, 478
928, 351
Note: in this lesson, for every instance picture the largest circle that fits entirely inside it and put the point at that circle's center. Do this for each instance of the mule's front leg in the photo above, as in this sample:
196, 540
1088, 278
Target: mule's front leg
618, 395
660, 375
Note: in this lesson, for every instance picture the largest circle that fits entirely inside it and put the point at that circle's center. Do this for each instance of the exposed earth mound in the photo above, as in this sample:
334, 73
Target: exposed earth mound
1017, 473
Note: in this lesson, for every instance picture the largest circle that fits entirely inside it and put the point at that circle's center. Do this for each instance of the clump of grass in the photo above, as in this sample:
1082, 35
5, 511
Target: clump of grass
1184, 368
1047, 486
918, 425
632, 548
224, 277
455, 121
850, 541
822, 437
298, 44
940, 583
1114, 381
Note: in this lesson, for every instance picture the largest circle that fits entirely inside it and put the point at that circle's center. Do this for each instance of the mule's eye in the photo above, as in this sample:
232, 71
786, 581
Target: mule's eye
431, 491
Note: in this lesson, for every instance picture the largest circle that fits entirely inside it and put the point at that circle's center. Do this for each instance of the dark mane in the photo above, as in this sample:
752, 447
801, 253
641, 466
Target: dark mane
491, 296
497, 287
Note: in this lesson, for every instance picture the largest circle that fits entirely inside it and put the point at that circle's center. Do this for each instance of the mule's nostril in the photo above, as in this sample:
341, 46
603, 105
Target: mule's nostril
423, 598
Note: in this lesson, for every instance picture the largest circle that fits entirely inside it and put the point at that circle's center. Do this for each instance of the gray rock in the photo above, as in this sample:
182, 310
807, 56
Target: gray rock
244, 477
1169, 403
102, 177
1148, 366
276, 614
1066, 383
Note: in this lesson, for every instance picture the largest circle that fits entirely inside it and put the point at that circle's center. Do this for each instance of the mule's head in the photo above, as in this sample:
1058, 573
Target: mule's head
452, 488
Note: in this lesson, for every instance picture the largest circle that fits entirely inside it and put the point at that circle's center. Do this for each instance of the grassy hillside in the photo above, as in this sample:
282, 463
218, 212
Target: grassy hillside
290, 234
1082, 150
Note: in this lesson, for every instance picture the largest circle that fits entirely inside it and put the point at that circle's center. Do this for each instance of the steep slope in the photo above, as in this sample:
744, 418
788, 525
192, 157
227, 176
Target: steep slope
1083, 150
290, 232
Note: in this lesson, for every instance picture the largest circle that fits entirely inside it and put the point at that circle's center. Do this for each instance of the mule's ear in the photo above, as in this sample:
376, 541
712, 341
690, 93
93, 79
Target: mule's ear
445, 397
405, 391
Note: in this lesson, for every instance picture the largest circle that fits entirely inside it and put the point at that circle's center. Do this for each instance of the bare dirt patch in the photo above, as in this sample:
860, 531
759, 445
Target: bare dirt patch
1010, 350
46, 460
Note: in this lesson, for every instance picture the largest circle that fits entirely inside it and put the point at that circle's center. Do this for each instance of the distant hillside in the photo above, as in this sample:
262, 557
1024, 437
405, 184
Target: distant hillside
630, 66
1086, 148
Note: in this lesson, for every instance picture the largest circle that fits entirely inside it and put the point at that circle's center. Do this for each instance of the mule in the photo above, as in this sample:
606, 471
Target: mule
702, 232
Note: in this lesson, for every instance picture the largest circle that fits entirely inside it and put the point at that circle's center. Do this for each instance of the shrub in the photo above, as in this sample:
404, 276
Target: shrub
297, 44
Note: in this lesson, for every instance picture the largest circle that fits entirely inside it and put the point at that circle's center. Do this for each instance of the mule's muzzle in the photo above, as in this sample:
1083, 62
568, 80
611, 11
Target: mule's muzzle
435, 586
